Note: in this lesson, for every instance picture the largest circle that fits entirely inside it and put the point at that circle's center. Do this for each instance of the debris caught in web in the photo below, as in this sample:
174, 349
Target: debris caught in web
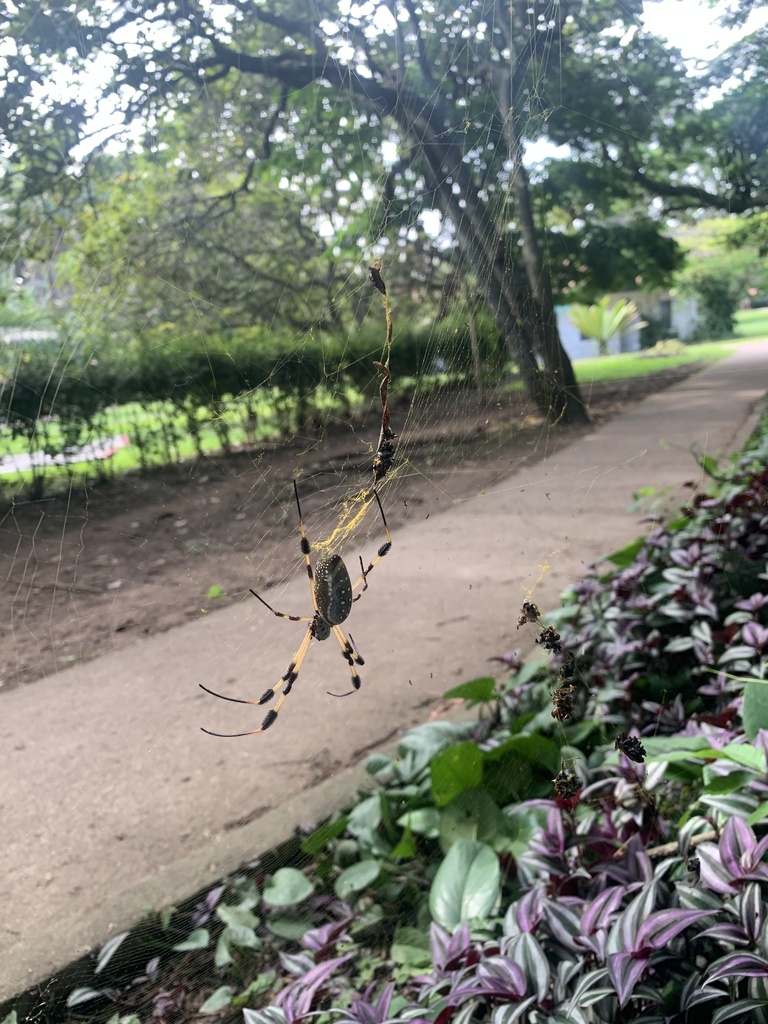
631, 747
385, 451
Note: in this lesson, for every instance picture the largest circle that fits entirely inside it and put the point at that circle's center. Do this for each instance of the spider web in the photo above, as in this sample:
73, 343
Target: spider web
120, 598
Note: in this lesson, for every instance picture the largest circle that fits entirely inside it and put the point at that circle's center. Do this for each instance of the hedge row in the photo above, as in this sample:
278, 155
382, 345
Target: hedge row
209, 392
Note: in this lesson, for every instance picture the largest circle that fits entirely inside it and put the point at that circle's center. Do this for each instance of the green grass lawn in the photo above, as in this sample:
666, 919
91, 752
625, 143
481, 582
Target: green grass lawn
752, 323
157, 432
635, 364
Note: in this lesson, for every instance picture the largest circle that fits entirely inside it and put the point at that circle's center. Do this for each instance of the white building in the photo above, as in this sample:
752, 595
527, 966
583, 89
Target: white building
675, 313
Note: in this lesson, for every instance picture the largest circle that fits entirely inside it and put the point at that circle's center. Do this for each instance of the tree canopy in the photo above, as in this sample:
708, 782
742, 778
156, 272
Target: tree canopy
367, 117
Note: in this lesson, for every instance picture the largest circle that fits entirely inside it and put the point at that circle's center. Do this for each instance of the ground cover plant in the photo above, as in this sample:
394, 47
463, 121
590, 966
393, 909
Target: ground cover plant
461, 888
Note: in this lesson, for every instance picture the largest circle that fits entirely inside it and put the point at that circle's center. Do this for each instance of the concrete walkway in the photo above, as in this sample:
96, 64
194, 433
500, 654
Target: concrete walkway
112, 800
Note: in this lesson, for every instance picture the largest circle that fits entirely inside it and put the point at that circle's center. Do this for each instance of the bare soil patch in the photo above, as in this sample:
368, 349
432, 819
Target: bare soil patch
95, 569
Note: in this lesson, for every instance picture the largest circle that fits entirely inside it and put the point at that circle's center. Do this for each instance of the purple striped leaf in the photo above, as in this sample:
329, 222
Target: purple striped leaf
625, 971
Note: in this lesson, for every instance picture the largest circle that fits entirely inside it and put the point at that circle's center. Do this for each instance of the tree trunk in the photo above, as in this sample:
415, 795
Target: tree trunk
535, 335
474, 341
560, 387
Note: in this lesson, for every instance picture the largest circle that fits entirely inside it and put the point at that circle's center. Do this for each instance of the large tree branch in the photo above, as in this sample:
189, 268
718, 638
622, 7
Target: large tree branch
688, 196
700, 196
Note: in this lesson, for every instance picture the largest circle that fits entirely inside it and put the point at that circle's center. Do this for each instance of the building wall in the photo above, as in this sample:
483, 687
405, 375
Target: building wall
577, 347
685, 313
679, 311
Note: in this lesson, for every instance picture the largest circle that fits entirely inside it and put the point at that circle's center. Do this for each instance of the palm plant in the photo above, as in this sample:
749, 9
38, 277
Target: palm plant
601, 321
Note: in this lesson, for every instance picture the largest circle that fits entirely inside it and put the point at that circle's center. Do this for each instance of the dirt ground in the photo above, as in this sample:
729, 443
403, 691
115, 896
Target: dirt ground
93, 570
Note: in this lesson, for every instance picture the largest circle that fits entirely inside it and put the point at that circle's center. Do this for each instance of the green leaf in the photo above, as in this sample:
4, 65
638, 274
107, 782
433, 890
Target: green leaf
357, 878
366, 816
424, 821
198, 939
288, 887
108, 950
745, 755
708, 464
406, 848
454, 771
411, 948
222, 956
759, 813
258, 987
625, 556
10, 1019
429, 738
755, 713
236, 917
477, 691
378, 763
467, 884
218, 1000
472, 815
166, 916
521, 768
288, 926
240, 935
520, 826
215, 591
83, 995
721, 784
317, 841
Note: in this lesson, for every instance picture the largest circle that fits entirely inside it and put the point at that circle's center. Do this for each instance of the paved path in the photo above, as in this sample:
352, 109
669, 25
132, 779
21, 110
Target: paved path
111, 798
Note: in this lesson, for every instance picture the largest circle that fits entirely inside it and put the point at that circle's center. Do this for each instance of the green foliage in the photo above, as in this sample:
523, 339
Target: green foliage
752, 323
288, 887
218, 1000
20, 309
752, 232
356, 878
602, 320
666, 347
718, 296
720, 269
182, 397
477, 691
467, 885
612, 254
755, 712
454, 771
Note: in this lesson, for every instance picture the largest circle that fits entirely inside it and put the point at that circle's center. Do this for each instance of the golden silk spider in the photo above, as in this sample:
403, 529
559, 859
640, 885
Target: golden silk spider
332, 597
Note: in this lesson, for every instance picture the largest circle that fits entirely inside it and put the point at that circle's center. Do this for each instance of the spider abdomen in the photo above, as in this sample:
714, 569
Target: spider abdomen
333, 590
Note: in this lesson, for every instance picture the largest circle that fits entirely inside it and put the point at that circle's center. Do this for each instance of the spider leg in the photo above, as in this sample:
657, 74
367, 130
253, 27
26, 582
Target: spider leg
282, 615
353, 657
285, 682
305, 548
363, 579
383, 550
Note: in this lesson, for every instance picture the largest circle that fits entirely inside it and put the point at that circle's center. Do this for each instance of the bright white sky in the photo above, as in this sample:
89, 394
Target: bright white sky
690, 26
